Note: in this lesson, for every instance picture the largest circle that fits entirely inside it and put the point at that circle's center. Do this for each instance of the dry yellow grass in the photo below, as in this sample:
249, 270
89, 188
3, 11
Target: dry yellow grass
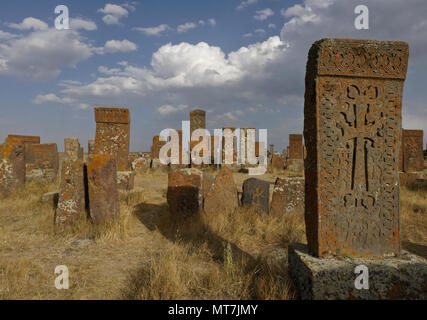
148, 253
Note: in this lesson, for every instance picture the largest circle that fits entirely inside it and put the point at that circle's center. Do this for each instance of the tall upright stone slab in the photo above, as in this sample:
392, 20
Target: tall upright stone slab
412, 147
71, 202
352, 130
12, 167
104, 203
197, 120
113, 134
90, 148
72, 148
155, 148
295, 146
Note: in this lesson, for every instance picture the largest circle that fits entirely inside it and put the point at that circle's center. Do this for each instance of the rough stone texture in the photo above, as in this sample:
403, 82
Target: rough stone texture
223, 194
412, 146
12, 167
277, 162
51, 198
141, 164
288, 196
403, 277
90, 148
295, 146
197, 120
185, 192
256, 194
21, 139
113, 134
72, 148
103, 192
125, 180
42, 161
71, 203
81, 153
352, 127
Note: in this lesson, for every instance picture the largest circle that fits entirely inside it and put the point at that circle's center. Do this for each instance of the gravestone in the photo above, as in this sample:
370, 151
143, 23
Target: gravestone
104, 203
277, 162
71, 203
288, 196
412, 146
90, 148
12, 167
42, 161
72, 148
256, 194
352, 127
185, 192
197, 120
222, 196
113, 134
295, 146
155, 148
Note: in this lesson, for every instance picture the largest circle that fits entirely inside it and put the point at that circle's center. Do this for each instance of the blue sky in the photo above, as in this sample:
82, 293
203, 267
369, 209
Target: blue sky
242, 61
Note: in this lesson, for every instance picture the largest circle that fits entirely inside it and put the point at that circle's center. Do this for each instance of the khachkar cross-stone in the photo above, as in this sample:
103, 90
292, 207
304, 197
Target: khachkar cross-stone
363, 124
352, 129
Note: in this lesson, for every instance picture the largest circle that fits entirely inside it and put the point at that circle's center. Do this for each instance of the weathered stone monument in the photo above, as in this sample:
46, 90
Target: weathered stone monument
113, 134
222, 196
256, 194
42, 161
412, 147
185, 192
155, 148
12, 167
352, 128
104, 203
197, 120
295, 160
90, 148
71, 201
277, 162
288, 196
72, 148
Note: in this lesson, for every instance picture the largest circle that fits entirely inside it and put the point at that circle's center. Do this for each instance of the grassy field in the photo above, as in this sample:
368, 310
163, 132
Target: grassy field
150, 254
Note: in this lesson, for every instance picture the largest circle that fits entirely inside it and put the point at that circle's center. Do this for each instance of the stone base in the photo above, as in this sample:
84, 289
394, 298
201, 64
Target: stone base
125, 180
403, 277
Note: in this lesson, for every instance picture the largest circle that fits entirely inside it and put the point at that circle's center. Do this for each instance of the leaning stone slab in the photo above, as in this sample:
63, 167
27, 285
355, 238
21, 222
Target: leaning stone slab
71, 203
256, 194
222, 196
402, 277
103, 192
288, 196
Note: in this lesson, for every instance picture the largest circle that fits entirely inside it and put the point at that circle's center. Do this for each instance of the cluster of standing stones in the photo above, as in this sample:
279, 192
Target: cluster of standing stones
355, 157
